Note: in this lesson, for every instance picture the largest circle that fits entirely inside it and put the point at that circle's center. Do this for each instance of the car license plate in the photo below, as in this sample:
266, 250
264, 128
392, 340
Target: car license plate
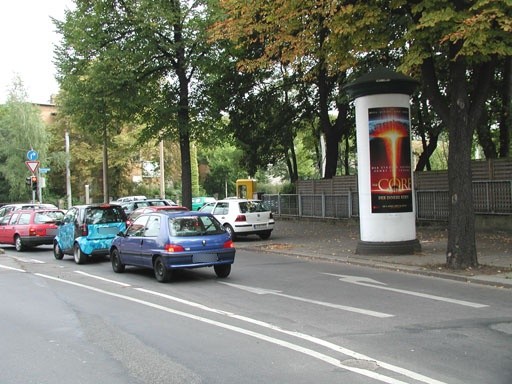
258, 226
204, 258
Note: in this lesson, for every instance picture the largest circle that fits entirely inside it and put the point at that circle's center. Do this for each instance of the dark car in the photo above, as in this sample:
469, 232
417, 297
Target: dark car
165, 241
88, 230
131, 206
154, 208
25, 228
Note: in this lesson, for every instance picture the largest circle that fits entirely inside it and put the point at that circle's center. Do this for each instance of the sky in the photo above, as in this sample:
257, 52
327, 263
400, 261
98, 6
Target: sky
27, 43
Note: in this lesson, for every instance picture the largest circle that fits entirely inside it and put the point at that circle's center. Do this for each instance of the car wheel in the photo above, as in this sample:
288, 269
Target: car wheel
18, 243
57, 252
222, 270
264, 235
162, 274
117, 265
229, 229
79, 256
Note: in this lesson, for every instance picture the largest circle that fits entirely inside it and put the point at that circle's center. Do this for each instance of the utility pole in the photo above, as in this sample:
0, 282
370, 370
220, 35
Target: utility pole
68, 172
162, 173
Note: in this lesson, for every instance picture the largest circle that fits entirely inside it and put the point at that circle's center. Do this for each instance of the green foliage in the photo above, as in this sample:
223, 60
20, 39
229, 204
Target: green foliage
223, 163
21, 129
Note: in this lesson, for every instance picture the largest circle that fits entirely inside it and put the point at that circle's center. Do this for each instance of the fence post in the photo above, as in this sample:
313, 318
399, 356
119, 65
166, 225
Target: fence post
349, 208
300, 205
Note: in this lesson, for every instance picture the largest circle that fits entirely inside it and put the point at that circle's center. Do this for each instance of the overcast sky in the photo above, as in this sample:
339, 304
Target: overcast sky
26, 45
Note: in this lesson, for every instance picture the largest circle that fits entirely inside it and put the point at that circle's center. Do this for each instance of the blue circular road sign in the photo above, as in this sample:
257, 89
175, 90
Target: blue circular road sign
32, 155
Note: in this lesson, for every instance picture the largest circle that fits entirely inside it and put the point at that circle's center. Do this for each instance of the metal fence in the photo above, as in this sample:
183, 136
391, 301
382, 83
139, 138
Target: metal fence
489, 197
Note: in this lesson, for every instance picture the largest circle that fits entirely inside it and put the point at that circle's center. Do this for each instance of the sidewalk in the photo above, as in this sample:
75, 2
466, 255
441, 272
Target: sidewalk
337, 241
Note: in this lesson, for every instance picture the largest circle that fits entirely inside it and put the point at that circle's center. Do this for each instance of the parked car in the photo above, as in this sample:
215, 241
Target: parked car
8, 208
242, 217
129, 198
133, 205
166, 241
26, 228
198, 202
154, 208
88, 230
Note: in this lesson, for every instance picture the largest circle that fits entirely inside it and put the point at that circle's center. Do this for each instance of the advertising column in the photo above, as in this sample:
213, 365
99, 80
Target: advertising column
385, 176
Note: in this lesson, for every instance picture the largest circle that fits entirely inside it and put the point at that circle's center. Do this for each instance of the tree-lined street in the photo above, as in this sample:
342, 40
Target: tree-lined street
277, 318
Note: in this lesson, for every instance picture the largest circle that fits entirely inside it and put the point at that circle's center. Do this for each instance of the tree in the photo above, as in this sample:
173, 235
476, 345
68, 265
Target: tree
140, 58
455, 45
316, 40
223, 162
21, 129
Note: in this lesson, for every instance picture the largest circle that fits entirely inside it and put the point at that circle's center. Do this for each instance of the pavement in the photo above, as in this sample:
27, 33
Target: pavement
337, 240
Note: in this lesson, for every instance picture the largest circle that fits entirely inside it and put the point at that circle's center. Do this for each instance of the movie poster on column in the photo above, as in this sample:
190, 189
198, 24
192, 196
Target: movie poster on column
390, 159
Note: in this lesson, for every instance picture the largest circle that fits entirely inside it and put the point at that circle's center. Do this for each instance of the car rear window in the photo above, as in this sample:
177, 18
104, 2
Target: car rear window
194, 226
104, 215
253, 206
45, 217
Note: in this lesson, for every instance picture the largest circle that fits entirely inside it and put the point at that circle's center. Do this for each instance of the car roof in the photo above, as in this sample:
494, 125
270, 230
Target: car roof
28, 205
39, 210
166, 208
105, 205
177, 213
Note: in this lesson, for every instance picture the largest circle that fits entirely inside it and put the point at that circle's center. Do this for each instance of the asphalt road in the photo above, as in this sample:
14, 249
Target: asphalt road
277, 318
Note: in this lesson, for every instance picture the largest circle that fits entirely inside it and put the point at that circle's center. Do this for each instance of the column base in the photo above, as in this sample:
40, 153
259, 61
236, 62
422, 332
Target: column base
388, 247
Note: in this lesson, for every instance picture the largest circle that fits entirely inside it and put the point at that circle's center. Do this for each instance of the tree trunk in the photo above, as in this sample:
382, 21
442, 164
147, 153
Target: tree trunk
461, 248
483, 131
506, 111
454, 112
184, 136
428, 150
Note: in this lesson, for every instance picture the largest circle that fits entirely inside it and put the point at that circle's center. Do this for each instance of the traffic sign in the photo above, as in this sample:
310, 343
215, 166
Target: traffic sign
32, 165
44, 170
32, 155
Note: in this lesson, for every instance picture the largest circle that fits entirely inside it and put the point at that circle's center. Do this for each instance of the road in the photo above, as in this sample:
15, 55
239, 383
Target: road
276, 319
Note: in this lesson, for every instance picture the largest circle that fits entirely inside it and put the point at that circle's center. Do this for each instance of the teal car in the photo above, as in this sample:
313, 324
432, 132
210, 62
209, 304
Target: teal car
198, 202
88, 230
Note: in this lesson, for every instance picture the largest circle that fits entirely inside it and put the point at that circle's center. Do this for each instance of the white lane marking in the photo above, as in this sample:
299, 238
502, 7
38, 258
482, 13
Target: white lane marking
320, 356
299, 335
27, 260
103, 279
11, 268
379, 285
262, 291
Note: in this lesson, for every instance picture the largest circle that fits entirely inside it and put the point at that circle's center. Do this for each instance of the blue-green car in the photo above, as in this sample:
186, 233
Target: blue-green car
88, 230
198, 202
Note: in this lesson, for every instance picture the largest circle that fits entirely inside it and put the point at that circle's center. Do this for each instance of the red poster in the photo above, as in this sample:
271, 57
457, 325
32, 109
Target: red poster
390, 159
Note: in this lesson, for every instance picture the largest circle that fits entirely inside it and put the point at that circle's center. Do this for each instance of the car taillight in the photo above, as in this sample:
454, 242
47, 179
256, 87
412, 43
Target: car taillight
173, 248
240, 218
84, 230
32, 231
229, 244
